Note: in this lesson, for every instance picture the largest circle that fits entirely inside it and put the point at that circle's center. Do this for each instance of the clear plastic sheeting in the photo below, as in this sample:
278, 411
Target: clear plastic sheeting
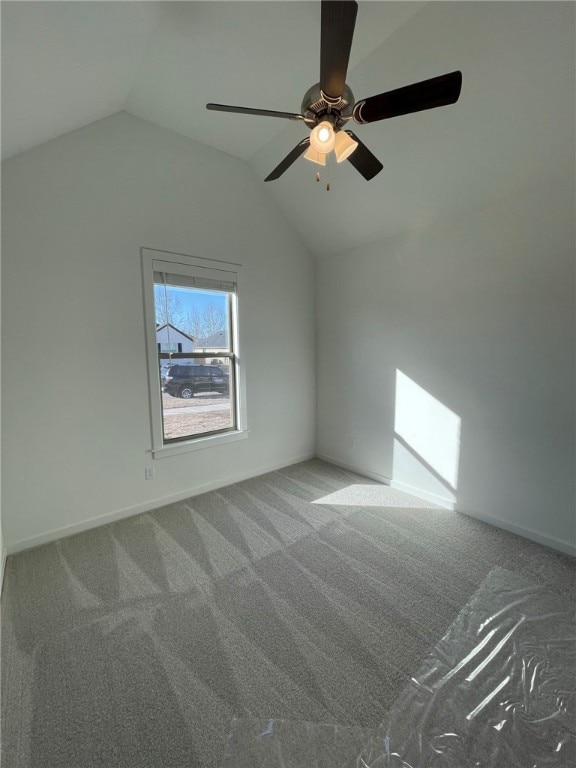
499, 690
299, 744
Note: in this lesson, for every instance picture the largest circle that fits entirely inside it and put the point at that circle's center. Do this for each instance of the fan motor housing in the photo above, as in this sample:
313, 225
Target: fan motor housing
317, 106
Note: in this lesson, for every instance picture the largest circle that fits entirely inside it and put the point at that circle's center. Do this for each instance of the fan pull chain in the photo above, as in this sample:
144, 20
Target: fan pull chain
327, 183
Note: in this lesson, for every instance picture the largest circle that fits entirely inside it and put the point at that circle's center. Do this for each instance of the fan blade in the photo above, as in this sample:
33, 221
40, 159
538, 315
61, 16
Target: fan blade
289, 159
250, 111
363, 160
436, 92
337, 30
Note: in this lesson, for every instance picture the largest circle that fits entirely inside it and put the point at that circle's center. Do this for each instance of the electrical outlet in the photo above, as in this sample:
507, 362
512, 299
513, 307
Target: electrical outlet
149, 473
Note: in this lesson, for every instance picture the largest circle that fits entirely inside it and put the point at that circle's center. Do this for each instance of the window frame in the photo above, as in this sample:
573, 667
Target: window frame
186, 265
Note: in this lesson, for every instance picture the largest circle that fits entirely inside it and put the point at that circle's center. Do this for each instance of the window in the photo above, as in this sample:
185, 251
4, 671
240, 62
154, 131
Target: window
191, 321
173, 347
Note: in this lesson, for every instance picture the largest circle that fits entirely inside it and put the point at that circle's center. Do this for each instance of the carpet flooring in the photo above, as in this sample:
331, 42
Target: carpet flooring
310, 593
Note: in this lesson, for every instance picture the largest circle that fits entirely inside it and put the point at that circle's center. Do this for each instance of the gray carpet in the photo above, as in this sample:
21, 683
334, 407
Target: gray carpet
135, 644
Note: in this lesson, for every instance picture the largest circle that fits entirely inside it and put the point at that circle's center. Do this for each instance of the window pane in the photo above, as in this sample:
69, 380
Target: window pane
195, 359
196, 399
201, 316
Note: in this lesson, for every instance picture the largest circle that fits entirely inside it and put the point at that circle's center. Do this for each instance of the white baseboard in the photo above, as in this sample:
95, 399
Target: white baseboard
433, 498
527, 533
400, 486
121, 514
352, 468
110, 517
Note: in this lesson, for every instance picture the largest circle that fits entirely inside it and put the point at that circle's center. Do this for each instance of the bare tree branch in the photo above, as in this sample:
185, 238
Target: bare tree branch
169, 307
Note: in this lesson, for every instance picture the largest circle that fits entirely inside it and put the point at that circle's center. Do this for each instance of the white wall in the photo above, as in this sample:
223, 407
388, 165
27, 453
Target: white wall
477, 314
2, 547
76, 427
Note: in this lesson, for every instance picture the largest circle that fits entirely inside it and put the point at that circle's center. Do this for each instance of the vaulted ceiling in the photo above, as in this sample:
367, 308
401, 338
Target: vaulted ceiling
67, 64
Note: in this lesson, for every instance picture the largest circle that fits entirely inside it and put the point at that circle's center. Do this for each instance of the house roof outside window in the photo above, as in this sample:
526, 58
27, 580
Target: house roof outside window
218, 340
168, 327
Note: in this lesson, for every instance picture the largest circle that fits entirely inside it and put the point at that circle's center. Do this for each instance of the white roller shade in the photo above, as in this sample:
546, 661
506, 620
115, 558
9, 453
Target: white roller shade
195, 277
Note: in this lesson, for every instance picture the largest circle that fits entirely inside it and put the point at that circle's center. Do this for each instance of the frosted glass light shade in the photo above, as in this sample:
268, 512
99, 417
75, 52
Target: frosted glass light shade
344, 145
322, 138
315, 157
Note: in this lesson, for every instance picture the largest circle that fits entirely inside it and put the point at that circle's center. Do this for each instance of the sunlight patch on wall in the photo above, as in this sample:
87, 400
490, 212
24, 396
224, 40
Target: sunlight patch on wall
426, 442
358, 495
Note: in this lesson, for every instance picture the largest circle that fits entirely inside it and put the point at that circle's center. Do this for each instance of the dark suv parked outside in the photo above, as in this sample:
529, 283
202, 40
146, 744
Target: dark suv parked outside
186, 380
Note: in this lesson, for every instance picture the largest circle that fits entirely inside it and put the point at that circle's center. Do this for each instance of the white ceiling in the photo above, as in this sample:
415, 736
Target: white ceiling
66, 64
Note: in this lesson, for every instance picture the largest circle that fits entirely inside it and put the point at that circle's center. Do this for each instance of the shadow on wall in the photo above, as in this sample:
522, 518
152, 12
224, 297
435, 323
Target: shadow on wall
426, 443
425, 456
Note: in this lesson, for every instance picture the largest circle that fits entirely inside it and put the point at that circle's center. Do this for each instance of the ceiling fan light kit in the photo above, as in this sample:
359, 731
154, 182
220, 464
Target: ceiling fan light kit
344, 145
315, 157
329, 105
322, 138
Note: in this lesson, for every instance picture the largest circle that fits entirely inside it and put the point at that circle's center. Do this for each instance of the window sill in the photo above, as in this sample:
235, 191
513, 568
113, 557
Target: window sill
198, 444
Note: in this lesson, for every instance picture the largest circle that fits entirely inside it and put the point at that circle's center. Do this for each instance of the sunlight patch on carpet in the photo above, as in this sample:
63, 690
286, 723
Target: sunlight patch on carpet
360, 495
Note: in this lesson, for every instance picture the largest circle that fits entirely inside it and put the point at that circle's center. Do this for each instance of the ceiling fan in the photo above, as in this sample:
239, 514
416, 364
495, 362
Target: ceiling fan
329, 105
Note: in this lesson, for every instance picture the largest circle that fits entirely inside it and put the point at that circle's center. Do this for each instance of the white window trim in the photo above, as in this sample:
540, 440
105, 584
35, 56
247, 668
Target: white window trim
176, 261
